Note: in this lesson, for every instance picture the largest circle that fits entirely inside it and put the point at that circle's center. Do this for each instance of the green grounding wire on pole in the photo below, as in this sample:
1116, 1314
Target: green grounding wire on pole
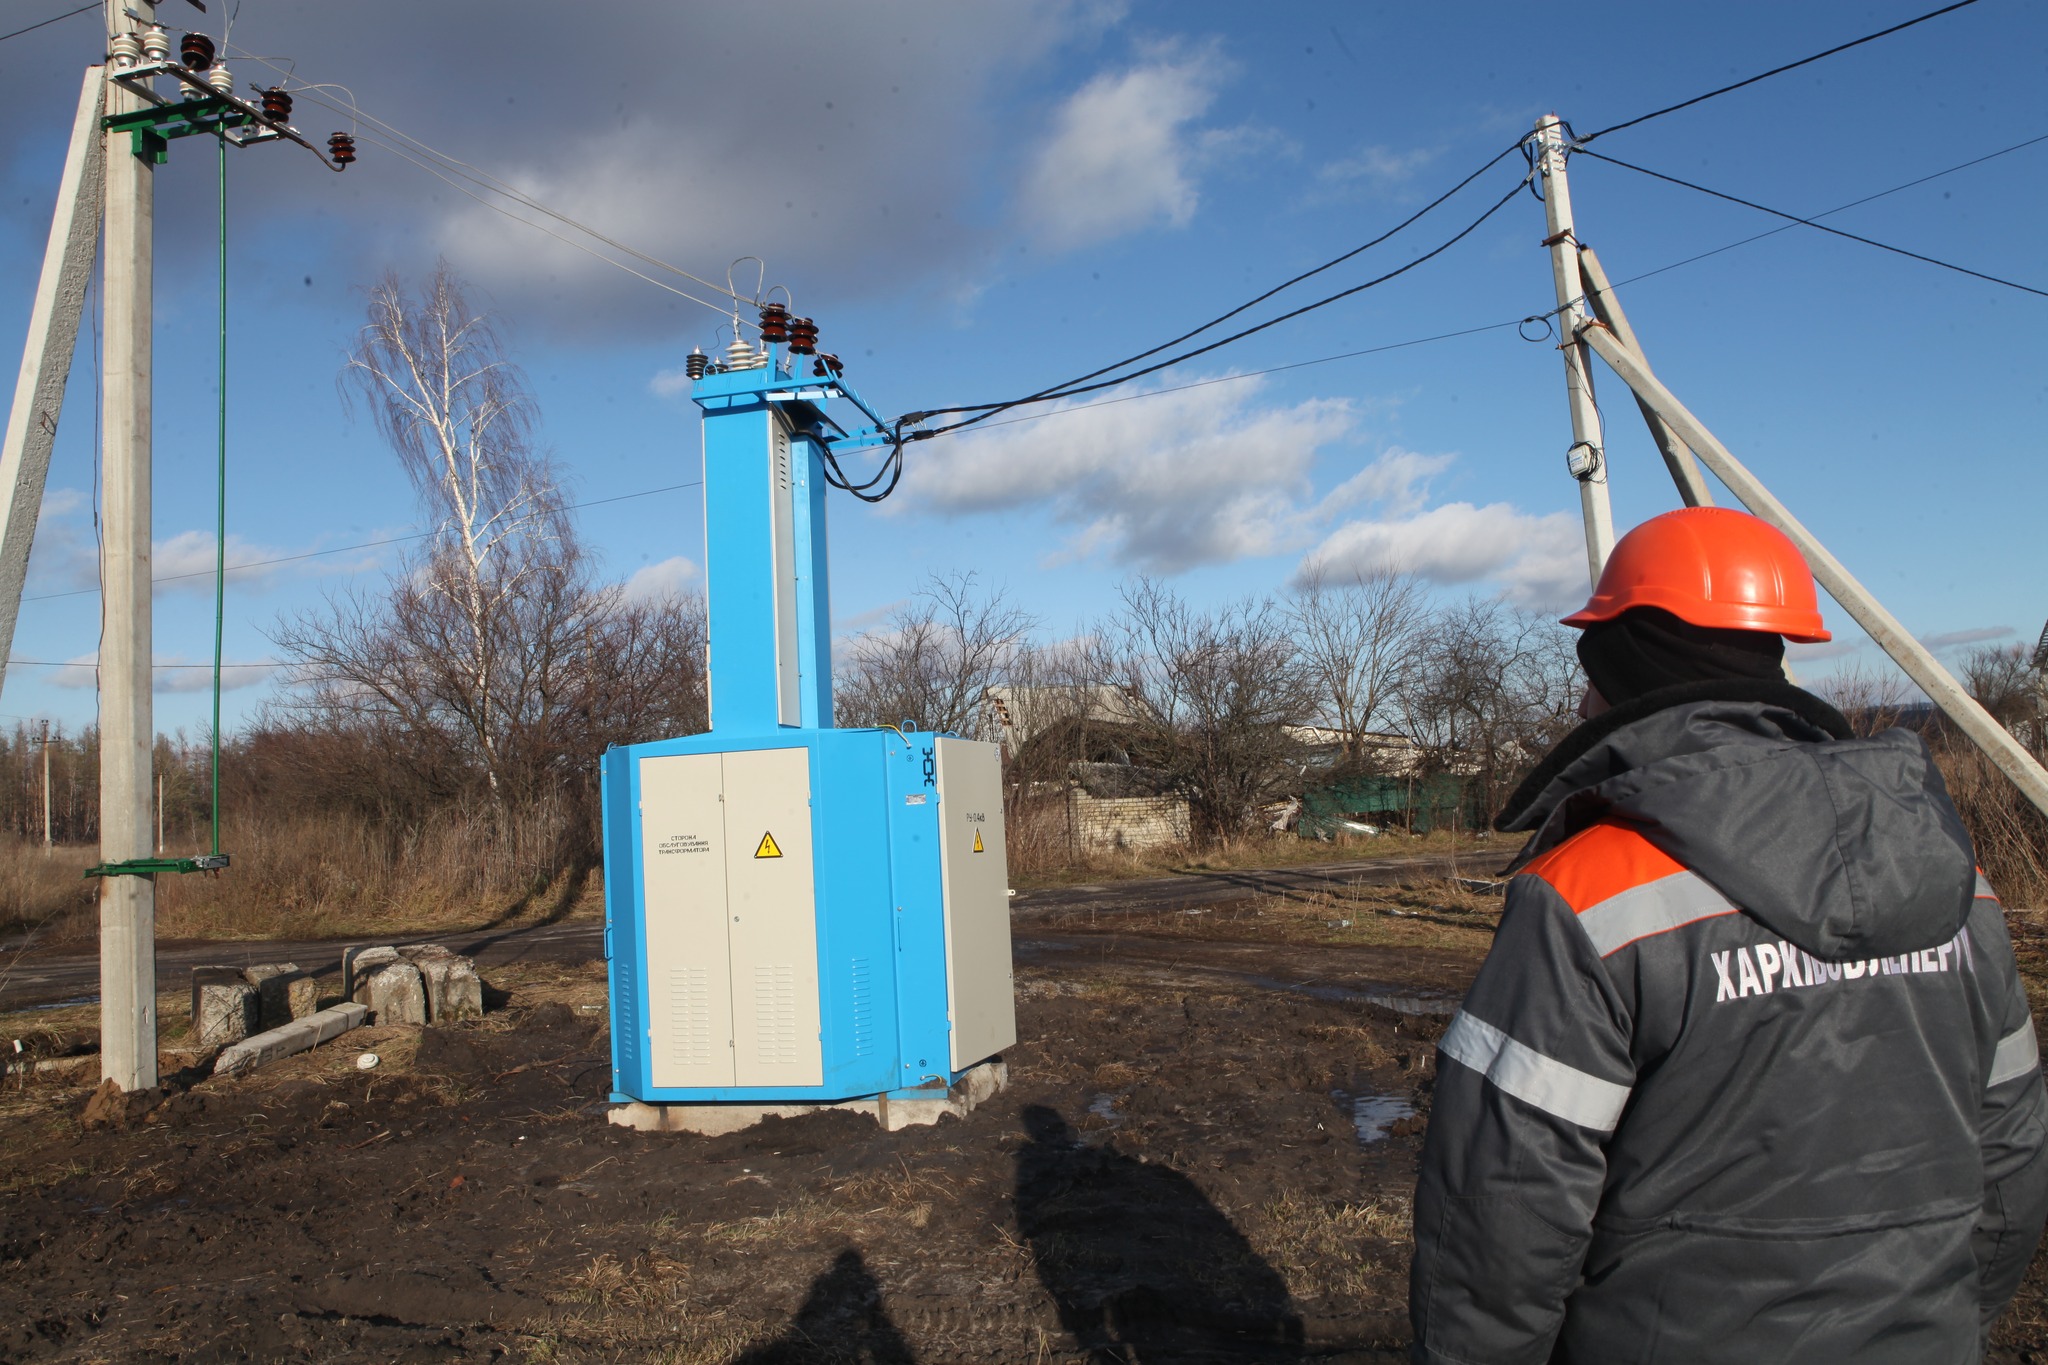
215, 860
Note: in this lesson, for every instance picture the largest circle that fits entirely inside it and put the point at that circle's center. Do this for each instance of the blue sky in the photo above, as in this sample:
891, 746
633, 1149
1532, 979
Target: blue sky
975, 201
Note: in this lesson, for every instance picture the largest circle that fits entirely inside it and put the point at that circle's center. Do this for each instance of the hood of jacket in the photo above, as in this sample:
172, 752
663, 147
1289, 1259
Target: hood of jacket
1850, 848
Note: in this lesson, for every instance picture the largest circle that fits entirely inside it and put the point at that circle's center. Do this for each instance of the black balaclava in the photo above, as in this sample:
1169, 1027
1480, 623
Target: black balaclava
1645, 649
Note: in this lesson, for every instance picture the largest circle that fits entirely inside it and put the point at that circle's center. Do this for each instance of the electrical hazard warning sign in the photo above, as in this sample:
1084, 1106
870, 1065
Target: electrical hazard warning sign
769, 848
977, 842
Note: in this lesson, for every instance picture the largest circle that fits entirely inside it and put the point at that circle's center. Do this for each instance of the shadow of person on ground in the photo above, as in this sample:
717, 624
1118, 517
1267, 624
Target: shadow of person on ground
1143, 1268
842, 1322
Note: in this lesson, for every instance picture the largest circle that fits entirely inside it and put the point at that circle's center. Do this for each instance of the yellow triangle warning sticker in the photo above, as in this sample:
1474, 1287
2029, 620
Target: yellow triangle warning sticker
769, 848
977, 842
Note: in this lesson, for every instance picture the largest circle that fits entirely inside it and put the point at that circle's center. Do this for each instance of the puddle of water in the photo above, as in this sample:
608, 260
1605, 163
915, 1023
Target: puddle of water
1373, 1116
62, 1004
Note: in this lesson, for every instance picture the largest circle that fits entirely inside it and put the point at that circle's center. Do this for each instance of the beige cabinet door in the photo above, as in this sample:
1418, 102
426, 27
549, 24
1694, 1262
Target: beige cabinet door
974, 872
773, 924
683, 854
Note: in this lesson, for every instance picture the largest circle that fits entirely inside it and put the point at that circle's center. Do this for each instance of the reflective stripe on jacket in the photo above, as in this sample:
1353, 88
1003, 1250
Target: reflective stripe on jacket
1665, 1129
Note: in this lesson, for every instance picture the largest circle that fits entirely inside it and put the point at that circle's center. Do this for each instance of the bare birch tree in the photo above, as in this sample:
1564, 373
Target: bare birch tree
437, 381
1357, 633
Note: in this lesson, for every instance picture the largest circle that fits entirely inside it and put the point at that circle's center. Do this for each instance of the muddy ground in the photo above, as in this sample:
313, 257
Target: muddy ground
1204, 1155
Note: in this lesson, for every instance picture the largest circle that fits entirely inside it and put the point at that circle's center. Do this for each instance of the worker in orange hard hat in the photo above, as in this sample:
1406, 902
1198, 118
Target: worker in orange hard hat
1749, 1074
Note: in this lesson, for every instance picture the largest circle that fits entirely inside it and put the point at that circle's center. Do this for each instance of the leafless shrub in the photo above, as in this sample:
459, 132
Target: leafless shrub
1358, 635
934, 661
1870, 699
1491, 689
1215, 692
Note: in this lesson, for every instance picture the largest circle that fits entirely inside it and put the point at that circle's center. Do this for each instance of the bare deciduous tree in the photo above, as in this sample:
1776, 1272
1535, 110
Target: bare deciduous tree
1492, 688
456, 410
2005, 682
1357, 633
1869, 699
934, 660
1218, 689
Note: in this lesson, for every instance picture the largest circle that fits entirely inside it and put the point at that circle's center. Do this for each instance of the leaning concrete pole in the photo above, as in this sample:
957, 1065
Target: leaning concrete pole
1588, 460
1912, 656
127, 904
46, 360
1685, 472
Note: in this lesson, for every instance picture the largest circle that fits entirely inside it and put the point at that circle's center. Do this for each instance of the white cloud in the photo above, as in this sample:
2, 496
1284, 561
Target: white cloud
1539, 559
185, 562
669, 383
1121, 156
1375, 167
663, 581
1199, 476
176, 674
1977, 636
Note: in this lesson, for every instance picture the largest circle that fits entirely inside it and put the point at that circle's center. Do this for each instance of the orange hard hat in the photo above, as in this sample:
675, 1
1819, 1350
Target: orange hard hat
1710, 566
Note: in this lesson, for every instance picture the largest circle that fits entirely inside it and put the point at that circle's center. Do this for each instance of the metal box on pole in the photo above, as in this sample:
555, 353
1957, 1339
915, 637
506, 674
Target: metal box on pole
795, 912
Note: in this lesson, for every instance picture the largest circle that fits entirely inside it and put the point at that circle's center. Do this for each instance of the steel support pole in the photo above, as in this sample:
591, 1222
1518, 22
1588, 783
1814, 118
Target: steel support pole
46, 359
1578, 376
1685, 472
1912, 656
127, 904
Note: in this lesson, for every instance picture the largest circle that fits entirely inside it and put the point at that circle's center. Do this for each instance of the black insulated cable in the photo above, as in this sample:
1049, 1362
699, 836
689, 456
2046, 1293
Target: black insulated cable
991, 410
1059, 390
1778, 70
1820, 227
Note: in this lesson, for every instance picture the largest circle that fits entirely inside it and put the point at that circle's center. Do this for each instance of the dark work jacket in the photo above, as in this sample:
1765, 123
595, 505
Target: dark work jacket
1748, 1075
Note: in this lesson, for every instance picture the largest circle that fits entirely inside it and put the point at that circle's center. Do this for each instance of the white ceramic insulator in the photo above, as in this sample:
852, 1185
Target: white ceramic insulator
156, 43
124, 50
220, 80
740, 356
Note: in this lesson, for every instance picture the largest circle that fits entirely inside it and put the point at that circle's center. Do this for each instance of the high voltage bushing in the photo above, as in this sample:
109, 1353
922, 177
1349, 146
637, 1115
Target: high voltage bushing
774, 322
196, 52
803, 336
342, 148
696, 363
828, 365
277, 105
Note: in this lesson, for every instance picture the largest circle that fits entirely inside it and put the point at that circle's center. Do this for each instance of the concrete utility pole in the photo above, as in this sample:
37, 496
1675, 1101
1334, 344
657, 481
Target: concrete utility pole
46, 360
127, 724
46, 789
1587, 458
1685, 471
1893, 638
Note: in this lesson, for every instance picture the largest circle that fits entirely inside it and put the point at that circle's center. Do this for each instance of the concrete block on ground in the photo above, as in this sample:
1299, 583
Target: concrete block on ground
298, 1036
358, 962
283, 992
974, 1087
224, 1006
454, 991
395, 992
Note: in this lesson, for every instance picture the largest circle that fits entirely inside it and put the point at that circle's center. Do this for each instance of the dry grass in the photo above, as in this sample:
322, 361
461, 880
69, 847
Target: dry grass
2011, 836
1031, 869
1334, 1251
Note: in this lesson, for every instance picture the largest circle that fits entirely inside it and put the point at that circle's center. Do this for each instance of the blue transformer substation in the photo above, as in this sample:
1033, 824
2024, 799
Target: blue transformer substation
795, 912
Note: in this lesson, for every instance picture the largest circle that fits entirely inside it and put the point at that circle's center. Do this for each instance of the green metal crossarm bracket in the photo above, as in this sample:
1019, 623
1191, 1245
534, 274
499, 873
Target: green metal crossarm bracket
152, 128
150, 867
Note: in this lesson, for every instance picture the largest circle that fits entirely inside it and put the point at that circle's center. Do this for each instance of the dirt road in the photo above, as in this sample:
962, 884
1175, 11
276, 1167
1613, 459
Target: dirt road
31, 974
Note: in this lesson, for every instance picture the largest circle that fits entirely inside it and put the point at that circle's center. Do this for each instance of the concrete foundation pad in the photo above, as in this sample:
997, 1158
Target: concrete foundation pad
894, 1112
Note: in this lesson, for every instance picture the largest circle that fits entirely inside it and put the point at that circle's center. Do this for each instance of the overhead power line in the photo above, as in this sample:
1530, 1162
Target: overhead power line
1817, 226
55, 18
1777, 70
364, 545
1069, 385
1185, 356
1510, 322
